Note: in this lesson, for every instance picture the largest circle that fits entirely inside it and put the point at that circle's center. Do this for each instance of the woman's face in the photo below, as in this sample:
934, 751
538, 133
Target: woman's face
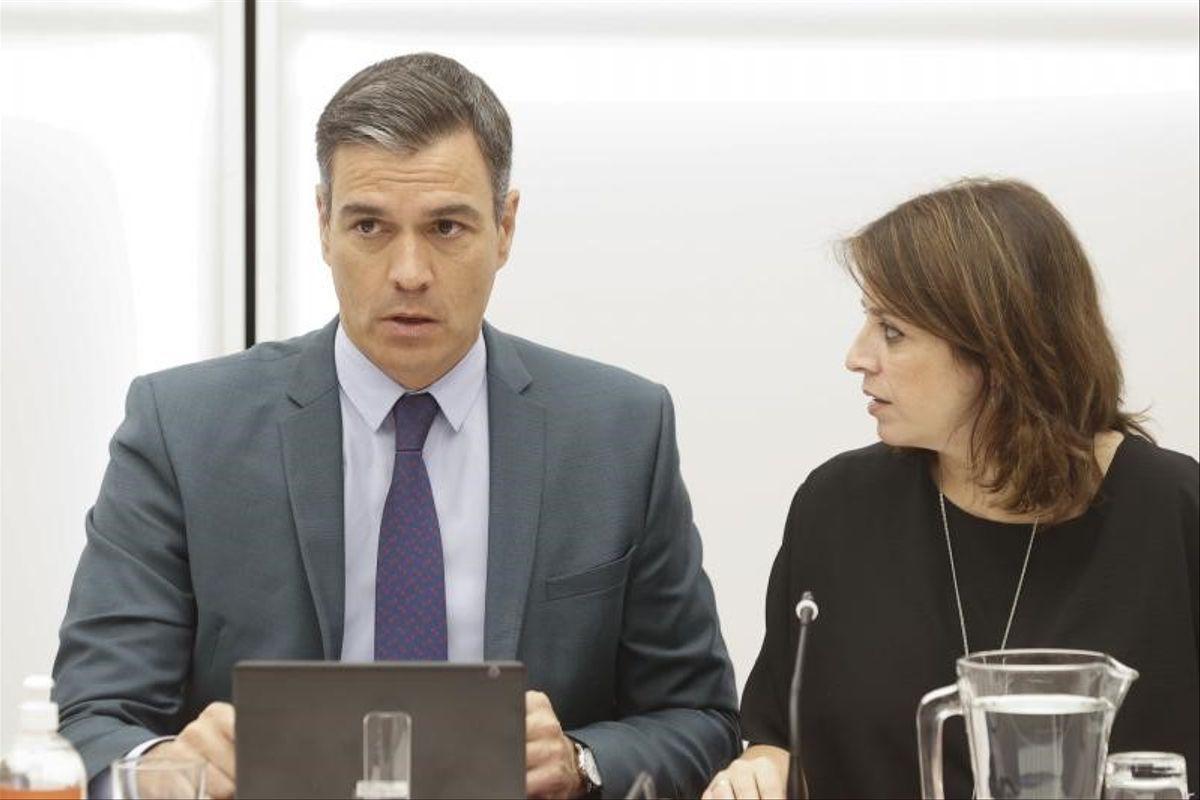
921, 395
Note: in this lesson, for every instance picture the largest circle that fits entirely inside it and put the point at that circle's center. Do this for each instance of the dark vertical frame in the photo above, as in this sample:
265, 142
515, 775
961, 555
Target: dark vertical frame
250, 105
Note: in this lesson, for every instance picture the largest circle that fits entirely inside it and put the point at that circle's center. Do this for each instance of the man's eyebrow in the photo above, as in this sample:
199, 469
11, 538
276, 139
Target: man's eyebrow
448, 210
455, 210
364, 209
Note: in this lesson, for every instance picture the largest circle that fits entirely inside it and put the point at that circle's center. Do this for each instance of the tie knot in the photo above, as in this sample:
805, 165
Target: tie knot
413, 414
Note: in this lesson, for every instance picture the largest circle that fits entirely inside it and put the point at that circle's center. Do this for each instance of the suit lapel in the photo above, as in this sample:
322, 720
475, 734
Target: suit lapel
517, 432
312, 461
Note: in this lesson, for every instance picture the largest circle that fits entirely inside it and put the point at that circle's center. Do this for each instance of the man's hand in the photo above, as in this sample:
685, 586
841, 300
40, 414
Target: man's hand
761, 772
208, 737
551, 769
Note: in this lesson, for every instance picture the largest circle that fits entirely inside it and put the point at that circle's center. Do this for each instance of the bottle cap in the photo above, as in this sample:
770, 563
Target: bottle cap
38, 713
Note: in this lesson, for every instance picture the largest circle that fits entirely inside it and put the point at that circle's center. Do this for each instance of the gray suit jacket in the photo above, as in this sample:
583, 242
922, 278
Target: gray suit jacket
217, 537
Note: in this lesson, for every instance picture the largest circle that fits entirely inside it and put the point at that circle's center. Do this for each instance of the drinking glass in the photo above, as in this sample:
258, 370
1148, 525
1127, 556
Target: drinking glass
1145, 776
642, 788
387, 754
145, 778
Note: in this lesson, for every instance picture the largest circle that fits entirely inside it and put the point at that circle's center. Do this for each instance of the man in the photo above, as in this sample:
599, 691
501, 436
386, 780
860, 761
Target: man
406, 483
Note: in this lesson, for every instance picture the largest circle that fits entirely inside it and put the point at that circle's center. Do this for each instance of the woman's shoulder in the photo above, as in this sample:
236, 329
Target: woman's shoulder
869, 477
872, 488
1143, 465
877, 466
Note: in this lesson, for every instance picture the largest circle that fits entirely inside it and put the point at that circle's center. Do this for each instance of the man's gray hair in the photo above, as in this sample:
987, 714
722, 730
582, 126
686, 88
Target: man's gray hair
406, 103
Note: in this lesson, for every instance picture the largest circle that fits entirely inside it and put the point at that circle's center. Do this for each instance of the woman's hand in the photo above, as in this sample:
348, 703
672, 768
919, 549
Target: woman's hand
761, 772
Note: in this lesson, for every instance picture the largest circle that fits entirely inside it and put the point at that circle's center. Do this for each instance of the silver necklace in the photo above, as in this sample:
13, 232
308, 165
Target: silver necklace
962, 620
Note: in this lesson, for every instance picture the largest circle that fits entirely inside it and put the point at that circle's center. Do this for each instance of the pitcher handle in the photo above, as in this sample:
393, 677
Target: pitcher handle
935, 708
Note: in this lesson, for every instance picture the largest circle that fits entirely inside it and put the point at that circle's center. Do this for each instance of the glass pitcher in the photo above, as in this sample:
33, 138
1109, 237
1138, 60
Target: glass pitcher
1037, 722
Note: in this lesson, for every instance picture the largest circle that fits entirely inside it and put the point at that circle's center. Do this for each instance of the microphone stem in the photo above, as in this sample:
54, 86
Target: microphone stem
797, 790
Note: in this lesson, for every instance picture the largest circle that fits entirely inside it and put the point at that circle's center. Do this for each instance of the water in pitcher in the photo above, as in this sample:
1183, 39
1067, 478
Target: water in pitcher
1039, 745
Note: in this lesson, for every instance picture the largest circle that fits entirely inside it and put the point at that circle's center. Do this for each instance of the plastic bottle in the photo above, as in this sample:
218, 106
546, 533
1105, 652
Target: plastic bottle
41, 765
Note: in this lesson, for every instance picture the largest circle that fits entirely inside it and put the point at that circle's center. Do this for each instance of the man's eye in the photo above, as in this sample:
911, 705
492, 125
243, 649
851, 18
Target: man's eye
366, 227
447, 228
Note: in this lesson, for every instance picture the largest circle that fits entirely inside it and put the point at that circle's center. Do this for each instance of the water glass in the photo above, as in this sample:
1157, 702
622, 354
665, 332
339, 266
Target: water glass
1145, 776
642, 788
146, 778
387, 755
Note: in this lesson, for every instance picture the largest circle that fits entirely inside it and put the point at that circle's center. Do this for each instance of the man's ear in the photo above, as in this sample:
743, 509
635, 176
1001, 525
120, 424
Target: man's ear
323, 220
508, 223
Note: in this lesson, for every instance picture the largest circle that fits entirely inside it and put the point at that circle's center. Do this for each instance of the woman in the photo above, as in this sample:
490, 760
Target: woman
1010, 503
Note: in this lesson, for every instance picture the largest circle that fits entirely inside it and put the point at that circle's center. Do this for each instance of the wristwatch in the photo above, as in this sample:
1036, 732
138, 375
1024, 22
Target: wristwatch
586, 763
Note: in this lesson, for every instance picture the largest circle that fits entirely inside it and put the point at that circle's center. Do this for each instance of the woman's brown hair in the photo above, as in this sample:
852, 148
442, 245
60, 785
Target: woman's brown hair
992, 267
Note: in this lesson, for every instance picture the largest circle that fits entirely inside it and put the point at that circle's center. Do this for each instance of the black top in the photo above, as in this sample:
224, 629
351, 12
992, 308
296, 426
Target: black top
865, 535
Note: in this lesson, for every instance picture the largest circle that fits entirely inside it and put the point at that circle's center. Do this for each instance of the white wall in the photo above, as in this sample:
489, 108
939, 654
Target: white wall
684, 170
116, 165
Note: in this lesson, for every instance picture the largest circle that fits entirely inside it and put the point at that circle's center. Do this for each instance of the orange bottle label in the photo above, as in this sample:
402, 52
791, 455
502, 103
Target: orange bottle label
65, 793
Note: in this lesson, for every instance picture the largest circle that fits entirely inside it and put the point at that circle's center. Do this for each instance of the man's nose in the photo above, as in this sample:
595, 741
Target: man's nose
409, 267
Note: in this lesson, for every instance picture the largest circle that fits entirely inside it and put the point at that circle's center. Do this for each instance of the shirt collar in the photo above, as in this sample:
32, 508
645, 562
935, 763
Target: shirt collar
373, 393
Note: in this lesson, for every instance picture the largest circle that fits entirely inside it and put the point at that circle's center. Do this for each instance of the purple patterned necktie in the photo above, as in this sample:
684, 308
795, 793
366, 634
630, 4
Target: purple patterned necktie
410, 583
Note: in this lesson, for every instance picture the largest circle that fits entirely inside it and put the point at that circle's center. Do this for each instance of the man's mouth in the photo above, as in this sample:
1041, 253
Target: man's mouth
410, 319
409, 324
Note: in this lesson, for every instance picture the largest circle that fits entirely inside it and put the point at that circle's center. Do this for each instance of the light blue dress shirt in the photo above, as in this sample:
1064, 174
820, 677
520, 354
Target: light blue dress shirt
457, 458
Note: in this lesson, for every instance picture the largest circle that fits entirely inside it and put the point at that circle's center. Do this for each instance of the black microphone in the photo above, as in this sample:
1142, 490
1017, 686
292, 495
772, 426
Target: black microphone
806, 612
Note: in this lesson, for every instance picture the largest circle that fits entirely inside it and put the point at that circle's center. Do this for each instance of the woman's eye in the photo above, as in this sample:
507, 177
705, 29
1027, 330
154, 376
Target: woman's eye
890, 332
447, 228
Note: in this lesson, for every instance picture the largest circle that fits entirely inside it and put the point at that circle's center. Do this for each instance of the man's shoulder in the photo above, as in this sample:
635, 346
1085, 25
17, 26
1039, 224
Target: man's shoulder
260, 370
558, 374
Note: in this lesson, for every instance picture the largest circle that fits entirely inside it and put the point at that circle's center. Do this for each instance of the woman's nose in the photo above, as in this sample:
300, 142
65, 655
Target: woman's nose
860, 357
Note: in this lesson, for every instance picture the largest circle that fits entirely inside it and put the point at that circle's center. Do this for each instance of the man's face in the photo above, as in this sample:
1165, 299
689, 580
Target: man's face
414, 246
